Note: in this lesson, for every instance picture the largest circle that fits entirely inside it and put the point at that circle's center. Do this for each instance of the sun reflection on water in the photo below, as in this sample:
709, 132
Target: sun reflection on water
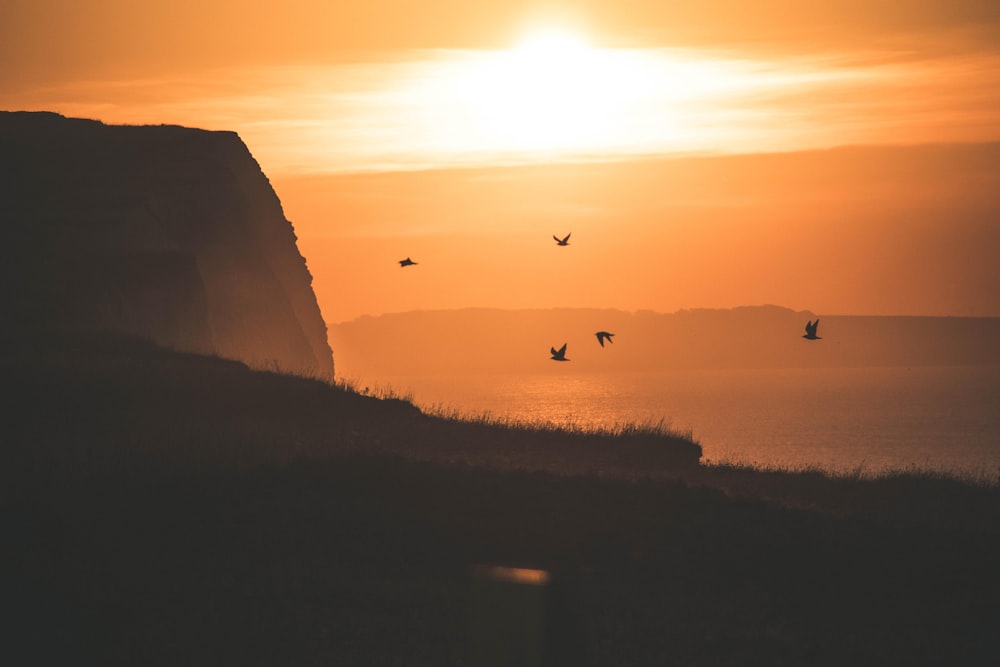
844, 420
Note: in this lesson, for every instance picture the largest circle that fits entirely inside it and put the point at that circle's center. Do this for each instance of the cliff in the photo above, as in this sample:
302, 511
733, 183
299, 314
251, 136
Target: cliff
169, 234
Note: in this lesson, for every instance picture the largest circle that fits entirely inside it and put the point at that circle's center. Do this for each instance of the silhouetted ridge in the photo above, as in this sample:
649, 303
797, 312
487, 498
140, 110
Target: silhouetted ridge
163, 232
744, 337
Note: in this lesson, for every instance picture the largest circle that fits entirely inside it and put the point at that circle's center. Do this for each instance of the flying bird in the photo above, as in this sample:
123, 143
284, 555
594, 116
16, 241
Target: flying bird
562, 241
407, 262
811, 330
560, 354
602, 336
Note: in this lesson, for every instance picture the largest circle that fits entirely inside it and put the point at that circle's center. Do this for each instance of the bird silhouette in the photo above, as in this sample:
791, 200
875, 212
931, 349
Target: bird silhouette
407, 262
562, 241
602, 336
560, 354
811, 330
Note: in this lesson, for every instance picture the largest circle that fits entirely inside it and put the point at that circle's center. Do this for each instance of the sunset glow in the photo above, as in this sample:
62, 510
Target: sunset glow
487, 332
555, 100
470, 135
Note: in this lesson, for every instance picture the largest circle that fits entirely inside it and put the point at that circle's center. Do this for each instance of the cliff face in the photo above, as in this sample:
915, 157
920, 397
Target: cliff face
167, 233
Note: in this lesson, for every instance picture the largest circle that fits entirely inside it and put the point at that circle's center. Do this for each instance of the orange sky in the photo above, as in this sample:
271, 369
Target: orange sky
411, 128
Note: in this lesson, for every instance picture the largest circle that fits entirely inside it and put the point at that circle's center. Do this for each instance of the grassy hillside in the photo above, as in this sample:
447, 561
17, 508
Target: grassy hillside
175, 509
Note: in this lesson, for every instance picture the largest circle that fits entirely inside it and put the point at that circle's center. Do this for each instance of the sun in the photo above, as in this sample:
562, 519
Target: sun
554, 95
552, 91
552, 46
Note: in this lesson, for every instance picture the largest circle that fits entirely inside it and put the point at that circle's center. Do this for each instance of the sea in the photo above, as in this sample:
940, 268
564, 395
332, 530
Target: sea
855, 421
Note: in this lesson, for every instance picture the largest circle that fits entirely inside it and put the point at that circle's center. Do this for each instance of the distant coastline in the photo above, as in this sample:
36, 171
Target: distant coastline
483, 340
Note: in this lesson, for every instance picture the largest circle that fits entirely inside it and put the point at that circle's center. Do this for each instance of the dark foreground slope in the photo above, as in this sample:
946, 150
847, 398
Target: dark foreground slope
164, 509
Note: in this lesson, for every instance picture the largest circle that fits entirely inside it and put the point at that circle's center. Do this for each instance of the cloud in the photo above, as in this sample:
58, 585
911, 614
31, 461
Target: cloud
439, 109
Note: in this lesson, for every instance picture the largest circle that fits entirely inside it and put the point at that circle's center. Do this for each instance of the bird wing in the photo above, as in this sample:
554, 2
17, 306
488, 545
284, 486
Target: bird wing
562, 350
567, 237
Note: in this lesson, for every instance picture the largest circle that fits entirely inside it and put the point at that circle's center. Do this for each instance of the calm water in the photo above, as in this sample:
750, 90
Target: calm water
872, 419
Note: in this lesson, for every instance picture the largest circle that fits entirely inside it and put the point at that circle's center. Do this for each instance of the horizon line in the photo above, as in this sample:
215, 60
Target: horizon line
636, 311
